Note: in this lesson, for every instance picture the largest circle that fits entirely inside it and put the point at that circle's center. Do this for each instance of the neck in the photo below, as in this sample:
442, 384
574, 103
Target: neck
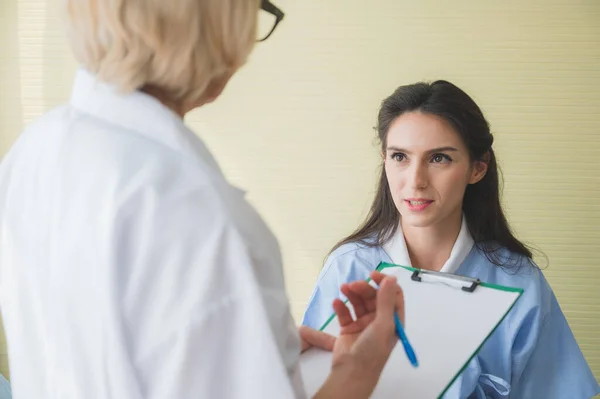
430, 247
178, 107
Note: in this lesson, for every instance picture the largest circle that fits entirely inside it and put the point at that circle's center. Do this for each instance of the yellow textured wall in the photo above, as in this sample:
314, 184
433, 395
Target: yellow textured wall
294, 127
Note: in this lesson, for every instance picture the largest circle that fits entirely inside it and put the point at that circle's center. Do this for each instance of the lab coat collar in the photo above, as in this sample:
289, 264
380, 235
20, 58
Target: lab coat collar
396, 249
136, 112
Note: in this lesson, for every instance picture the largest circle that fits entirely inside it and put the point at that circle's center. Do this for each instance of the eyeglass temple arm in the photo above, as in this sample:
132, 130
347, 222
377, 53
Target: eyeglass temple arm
272, 8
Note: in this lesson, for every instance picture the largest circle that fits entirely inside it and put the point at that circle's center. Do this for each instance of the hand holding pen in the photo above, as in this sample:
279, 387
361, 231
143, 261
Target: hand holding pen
365, 341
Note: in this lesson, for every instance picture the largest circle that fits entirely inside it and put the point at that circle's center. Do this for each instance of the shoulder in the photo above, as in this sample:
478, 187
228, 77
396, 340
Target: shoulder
501, 266
355, 251
174, 203
187, 203
37, 133
57, 116
156, 182
203, 239
351, 261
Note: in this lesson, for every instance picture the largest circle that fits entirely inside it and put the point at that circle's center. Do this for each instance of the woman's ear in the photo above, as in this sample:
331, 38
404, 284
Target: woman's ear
479, 169
383, 157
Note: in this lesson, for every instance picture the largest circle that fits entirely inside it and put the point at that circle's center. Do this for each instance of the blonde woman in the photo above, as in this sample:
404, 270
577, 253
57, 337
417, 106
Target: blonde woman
129, 267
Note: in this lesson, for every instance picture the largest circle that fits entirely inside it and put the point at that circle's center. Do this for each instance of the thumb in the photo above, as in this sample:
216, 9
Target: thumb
390, 299
311, 337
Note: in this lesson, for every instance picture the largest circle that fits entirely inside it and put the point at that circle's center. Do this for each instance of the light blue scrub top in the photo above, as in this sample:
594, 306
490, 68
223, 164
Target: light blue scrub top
5, 391
532, 354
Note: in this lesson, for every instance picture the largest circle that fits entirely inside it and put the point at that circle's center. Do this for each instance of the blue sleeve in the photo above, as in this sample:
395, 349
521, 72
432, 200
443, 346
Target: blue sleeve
5, 391
342, 266
532, 354
474, 383
547, 361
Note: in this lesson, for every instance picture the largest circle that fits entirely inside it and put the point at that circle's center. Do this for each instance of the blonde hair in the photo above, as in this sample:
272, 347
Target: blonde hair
178, 46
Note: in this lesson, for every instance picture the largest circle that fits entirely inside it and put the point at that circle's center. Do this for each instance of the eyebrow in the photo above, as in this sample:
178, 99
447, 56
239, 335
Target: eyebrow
439, 149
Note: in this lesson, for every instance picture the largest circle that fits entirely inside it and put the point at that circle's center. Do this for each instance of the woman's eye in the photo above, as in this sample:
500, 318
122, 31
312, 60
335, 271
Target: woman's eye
440, 158
398, 157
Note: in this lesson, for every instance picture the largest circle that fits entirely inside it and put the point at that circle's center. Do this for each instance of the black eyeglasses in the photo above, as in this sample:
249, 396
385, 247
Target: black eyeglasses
269, 20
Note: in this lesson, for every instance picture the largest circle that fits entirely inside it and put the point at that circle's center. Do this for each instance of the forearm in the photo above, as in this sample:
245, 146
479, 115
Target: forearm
349, 381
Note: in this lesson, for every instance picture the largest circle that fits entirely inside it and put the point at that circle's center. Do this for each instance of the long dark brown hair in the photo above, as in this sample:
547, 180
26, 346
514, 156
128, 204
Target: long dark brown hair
481, 203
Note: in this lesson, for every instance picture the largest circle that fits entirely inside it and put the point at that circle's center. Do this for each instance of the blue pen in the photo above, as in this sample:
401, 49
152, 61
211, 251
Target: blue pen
410, 353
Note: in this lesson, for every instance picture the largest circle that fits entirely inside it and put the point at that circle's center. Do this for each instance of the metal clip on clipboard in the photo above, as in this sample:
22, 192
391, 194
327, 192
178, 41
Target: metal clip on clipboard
473, 282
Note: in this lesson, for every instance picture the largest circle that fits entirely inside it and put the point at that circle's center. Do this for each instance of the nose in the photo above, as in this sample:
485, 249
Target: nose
418, 176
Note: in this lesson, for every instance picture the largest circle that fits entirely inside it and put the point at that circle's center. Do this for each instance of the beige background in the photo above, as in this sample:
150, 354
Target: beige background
294, 127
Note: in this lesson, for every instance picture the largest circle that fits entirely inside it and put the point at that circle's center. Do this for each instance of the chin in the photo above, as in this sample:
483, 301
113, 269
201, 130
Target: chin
418, 220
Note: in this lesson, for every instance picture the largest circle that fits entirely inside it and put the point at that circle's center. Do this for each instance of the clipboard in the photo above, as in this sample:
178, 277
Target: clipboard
447, 319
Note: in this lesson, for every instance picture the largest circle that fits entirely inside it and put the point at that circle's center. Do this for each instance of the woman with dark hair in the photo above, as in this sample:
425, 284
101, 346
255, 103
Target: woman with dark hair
437, 207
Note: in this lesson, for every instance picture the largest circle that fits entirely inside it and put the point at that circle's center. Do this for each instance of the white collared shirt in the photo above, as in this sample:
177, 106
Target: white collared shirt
130, 268
396, 249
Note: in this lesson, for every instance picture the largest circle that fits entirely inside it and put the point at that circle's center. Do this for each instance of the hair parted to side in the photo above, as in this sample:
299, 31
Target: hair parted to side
178, 46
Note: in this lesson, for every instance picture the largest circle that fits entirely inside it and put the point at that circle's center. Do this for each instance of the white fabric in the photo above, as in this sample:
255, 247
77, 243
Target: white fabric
130, 268
396, 249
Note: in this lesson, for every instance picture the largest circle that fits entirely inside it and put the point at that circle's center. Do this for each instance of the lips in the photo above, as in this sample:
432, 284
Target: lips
418, 204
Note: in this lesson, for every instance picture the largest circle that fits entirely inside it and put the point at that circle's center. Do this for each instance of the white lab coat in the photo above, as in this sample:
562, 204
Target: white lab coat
130, 268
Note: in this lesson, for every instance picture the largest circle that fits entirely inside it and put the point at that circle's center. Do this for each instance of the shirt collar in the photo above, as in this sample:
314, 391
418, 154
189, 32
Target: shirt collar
396, 249
135, 112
